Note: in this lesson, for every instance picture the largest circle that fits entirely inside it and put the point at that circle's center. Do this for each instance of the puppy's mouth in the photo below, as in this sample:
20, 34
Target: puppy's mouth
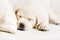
21, 27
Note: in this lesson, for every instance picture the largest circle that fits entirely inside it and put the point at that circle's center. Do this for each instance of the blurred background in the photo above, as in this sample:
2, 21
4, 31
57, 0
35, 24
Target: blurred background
54, 5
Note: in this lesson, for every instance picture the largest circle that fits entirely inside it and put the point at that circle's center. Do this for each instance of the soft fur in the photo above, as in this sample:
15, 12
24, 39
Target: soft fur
28, 11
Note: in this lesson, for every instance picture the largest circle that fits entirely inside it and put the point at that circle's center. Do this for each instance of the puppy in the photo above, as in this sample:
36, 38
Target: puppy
33, 9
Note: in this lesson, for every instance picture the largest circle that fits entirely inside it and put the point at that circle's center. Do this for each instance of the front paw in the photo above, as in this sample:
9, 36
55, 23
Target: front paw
42, 28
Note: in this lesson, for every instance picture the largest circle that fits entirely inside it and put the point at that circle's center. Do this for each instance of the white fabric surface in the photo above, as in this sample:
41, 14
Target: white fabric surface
52, 34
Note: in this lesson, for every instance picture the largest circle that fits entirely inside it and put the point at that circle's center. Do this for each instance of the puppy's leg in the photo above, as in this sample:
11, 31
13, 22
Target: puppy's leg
53, 19
44, 25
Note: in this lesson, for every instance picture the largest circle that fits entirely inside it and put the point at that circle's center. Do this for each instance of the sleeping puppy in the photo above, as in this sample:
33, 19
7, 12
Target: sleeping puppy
33, 10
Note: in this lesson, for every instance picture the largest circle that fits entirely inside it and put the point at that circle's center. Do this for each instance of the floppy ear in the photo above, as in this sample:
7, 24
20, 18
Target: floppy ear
16, 11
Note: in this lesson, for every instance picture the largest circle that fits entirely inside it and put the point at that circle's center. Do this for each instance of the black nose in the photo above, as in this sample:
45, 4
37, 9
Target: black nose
21, 27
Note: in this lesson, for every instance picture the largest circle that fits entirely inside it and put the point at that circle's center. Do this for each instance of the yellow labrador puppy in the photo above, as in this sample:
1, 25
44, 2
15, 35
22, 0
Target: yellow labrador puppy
32, 14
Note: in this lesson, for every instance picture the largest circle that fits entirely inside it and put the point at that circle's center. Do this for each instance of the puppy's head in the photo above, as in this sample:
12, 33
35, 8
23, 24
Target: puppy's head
24, 22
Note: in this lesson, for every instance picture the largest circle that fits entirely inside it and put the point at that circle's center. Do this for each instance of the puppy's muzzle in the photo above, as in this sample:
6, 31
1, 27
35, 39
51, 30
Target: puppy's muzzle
21, 26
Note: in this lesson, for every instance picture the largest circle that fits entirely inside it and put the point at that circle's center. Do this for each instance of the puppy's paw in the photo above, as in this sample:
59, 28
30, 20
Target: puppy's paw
42, 28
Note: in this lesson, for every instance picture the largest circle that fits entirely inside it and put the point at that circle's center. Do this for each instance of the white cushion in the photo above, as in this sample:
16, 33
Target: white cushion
8, 21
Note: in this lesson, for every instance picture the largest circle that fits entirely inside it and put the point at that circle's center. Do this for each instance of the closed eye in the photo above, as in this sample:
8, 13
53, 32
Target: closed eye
20, 16
29, 19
